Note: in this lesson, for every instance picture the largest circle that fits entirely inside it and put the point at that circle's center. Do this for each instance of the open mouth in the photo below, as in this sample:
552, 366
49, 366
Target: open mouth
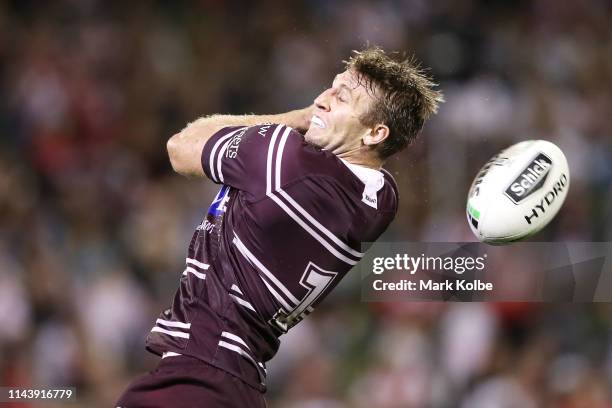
317, 121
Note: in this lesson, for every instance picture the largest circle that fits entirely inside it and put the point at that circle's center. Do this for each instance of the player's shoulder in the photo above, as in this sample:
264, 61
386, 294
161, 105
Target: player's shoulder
290, 158
374, 187
289, 152
280, 139
261, 142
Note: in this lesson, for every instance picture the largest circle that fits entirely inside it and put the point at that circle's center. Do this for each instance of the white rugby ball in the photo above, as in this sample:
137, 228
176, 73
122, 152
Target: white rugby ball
518, 192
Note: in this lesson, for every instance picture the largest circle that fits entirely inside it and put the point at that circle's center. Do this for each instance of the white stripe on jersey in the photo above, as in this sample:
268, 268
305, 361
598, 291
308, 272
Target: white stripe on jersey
267, 276
279, 157
237, 350
198, 263
305, 213
276, 295
319, 225
237, 339
240, 300
189, 269
244, 354
211, 159
316, 236
219, 158
243, 302
291, 202
171, 323
269, 161
170, 354
171, 332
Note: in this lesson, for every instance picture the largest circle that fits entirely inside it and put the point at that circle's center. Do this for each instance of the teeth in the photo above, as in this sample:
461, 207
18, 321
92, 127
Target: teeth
317, 121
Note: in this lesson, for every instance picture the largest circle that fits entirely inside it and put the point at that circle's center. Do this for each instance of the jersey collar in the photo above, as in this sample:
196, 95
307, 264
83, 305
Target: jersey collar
372, 179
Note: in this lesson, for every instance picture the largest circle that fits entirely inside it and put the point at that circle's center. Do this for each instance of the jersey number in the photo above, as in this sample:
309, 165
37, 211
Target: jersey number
316, 280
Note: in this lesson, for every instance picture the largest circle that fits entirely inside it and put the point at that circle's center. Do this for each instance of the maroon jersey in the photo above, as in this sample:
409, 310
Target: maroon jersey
285, 227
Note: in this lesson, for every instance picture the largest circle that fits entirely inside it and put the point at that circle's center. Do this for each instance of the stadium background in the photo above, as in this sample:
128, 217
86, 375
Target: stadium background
94, 225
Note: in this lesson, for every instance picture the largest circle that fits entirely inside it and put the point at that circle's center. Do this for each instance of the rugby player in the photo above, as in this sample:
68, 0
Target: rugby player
300, 192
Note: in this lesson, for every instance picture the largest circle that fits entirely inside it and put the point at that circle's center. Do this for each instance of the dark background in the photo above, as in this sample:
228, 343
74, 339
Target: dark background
94, 224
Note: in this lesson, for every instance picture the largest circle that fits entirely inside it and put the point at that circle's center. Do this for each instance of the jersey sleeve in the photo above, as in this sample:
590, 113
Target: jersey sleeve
246, 157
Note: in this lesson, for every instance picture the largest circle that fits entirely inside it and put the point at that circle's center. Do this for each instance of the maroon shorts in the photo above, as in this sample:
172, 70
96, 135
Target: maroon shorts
182, 381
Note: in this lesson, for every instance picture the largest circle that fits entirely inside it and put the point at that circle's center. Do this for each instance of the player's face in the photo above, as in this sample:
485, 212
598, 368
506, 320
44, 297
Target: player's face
335, 124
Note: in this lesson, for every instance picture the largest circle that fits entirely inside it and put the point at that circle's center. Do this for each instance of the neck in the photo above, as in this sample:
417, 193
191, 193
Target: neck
359, 158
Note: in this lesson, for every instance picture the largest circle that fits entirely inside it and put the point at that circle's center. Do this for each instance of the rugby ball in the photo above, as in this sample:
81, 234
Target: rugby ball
518, 192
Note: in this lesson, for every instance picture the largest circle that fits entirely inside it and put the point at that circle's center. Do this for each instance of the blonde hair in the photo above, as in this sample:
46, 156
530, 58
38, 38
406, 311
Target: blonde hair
405, 96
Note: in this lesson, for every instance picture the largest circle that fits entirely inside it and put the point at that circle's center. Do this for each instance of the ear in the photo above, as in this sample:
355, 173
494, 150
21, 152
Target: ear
376, 135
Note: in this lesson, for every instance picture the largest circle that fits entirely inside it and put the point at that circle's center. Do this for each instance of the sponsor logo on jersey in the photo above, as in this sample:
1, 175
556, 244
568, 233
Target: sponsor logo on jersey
547, 200
530, 179
262, 130
206, 226
219, 204
370, 200
234, 144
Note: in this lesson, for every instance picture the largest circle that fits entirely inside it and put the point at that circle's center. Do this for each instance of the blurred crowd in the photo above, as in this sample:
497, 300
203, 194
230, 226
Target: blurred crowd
94, 225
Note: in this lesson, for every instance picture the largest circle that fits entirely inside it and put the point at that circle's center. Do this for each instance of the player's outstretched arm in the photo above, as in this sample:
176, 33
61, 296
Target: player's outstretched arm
185, 147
